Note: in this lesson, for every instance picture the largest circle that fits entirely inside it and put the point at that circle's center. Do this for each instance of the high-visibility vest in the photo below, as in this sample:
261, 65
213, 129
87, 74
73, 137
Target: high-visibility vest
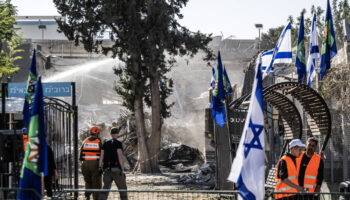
292, 176
25, 141
311, 171
91, 149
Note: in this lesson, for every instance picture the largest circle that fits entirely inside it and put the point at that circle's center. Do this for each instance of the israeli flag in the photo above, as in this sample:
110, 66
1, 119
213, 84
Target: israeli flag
266, 60
212, 81
283, 50
248, 167
314, 53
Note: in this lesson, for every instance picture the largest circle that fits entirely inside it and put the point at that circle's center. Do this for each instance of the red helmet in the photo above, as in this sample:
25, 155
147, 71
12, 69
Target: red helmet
95, 130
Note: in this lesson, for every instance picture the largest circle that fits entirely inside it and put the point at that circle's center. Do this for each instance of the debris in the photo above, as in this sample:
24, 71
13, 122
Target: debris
204, 179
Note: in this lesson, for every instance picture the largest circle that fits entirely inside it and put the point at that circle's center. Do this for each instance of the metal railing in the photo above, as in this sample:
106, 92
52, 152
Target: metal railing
11, 193
312, 196
172, 194
157, 194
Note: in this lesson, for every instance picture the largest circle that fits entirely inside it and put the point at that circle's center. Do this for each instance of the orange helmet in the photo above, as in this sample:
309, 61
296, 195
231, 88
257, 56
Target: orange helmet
95, 130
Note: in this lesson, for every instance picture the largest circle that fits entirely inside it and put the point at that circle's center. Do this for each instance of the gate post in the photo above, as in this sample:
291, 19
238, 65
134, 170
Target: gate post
3, 104
75, 138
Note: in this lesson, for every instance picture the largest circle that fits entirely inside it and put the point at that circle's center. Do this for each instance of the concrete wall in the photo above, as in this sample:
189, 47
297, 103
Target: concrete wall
39, 27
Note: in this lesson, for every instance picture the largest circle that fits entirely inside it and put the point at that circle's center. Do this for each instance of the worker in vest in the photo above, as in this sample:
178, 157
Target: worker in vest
25, 138
311, 169
90, 155
287, 173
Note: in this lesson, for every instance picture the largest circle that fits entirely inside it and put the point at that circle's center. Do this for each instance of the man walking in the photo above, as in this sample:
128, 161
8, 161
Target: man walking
287, 173
311, 169
113, 165
90, 155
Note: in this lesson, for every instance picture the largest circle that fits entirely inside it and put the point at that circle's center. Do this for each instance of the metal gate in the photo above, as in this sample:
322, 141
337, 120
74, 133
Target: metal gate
61, 130
61, 120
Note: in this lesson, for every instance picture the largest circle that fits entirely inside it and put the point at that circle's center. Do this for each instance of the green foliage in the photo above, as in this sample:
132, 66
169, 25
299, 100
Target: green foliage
269, 39
7, 20
7, 66
7, 35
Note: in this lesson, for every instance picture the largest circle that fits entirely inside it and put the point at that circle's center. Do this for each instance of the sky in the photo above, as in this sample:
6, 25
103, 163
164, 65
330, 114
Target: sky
229, 18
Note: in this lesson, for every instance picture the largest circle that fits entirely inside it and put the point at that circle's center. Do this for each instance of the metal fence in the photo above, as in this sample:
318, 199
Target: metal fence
175, 194
313, 196
60, 118
11, 193
157, 194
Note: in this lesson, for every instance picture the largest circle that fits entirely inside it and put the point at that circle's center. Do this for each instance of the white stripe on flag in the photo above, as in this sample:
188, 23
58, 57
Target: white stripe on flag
266, 59
283, 50
248, 167
213, 79
313, 53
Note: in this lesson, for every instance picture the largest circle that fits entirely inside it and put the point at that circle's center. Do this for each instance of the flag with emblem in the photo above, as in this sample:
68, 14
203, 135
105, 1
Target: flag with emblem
248, 167
329, 47
30, 91
300, 57
35, 159
218, 101
227, 83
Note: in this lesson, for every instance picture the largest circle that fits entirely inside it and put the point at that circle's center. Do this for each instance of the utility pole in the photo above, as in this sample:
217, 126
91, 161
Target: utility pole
259, 27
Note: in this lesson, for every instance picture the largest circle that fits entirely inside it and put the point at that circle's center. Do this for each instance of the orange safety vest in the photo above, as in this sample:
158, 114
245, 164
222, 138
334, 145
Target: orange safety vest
311, 171
292, 176
25, 141
91, 149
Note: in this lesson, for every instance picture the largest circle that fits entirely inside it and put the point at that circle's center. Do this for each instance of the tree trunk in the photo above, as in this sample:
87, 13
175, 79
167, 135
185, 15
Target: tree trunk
141, 139
154, 143
140, 123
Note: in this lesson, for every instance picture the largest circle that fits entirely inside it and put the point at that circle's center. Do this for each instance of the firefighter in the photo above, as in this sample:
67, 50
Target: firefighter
25, 138
90, 155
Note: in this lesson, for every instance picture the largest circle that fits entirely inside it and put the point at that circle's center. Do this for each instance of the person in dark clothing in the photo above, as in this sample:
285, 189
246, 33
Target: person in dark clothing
52, 172
112, 165
311, 169
287, 173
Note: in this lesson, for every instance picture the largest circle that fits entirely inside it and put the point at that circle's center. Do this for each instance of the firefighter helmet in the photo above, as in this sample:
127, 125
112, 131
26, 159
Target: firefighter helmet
95, 130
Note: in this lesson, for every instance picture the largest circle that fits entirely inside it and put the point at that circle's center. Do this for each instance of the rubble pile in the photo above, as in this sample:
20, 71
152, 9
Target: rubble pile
175, 157
204, 179
180, 158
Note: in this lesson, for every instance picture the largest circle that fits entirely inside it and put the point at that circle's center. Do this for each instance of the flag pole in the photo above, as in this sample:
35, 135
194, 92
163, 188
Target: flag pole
42, 185
228, 125
227, 119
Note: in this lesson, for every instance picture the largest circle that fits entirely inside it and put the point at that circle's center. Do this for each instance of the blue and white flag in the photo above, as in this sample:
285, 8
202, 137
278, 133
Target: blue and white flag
314, 53
213, 78
248, 167
283, 50
266, 58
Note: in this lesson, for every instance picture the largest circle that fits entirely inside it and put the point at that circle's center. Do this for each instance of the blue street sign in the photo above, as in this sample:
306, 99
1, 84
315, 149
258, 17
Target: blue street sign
56, 89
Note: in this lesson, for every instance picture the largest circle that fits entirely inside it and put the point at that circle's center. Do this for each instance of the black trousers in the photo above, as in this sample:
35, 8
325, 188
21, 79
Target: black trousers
48, 185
